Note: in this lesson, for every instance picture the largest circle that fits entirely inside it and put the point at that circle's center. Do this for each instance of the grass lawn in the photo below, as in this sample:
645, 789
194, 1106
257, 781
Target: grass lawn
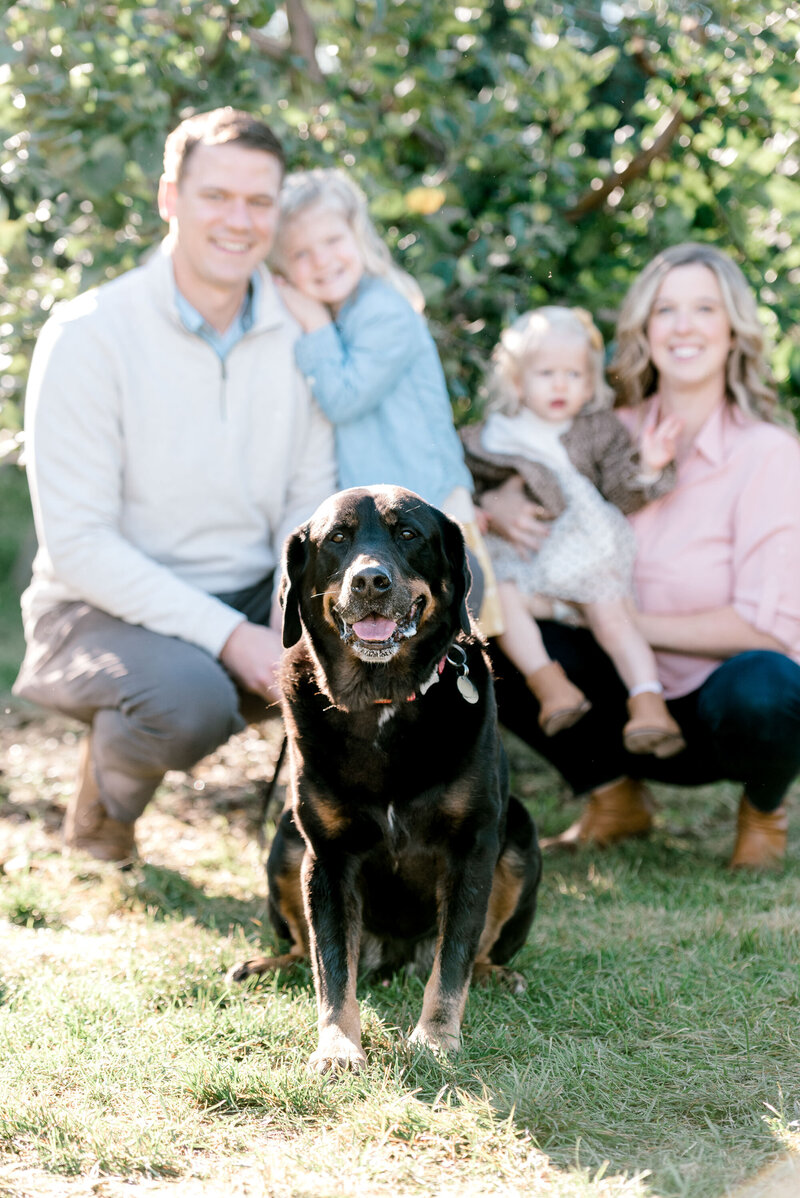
654, 1055
655, 1052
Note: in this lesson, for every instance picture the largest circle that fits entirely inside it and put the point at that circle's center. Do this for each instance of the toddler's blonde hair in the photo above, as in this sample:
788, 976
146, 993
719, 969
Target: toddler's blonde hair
523, 339
333, 190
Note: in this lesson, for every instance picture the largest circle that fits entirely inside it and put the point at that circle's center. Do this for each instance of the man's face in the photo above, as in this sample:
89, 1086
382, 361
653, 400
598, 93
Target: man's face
222, 216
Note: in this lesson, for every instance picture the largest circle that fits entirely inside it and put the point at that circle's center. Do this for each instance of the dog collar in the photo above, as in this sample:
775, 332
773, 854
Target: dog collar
466, 687
424, 687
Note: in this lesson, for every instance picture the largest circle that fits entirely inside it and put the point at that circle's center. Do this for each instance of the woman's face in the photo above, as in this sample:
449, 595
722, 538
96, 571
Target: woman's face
689, 332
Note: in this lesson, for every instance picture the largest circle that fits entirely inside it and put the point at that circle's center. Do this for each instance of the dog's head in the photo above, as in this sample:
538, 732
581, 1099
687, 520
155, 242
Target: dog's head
375, 568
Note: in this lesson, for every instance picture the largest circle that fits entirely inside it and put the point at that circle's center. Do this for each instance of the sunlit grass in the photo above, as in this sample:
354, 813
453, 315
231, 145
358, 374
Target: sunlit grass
654, 1055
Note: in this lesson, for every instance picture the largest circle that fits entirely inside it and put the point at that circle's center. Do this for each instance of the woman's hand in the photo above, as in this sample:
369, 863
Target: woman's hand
659, 445
309, 313
513, 516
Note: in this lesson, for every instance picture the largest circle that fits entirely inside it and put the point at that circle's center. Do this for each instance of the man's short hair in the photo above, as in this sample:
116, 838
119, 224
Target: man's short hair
215, 128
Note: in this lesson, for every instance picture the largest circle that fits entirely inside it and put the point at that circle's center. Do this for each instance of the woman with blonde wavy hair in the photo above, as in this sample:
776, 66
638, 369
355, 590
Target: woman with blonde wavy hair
717, 571
747, 376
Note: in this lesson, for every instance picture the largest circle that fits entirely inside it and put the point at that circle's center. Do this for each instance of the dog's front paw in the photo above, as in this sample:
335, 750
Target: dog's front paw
337, 1054
438, 1039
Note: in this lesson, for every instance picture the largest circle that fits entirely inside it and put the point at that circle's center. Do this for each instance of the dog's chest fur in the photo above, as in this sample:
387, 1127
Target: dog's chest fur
386, 773
393, 751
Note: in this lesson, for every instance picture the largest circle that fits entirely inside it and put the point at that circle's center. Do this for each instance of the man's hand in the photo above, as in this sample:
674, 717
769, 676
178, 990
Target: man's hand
309, 313
513, 516
251, 655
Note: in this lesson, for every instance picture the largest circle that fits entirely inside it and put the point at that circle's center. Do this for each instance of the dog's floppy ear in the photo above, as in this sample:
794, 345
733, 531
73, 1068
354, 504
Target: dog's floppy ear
295, 555
459, 569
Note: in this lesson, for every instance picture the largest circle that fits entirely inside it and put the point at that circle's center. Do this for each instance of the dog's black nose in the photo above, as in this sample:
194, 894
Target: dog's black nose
371, 580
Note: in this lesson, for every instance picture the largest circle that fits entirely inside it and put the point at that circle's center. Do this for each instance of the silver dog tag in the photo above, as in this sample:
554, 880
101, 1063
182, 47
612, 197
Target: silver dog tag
467, 688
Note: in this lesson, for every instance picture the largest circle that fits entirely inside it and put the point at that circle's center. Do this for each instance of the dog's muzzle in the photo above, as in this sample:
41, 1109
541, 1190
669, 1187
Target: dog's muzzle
374, 613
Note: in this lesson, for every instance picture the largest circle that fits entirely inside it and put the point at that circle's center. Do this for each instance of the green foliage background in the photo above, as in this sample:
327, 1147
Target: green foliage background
557, 145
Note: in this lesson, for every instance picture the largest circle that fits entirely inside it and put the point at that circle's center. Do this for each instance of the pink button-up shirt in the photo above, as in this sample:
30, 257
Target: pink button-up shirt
727, 535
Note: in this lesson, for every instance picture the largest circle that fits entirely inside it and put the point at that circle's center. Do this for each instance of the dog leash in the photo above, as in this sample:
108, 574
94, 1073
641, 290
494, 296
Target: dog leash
267, 791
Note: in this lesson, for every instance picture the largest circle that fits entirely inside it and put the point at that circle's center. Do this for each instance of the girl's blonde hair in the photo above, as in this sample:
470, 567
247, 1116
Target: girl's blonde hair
522, 340
333, 190
749, 382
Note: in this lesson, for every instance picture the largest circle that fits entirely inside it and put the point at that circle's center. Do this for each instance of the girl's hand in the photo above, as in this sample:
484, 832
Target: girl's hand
660, 444
309, 313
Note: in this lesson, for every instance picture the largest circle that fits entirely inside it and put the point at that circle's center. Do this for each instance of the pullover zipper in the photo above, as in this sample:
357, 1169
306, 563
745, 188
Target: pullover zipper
223, 404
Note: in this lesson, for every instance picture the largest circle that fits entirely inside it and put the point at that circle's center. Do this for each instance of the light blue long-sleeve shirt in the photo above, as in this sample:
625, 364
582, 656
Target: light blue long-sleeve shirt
376, 374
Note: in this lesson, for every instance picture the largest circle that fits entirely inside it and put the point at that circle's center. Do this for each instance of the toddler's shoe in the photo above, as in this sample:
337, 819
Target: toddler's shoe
561, 702
651, 729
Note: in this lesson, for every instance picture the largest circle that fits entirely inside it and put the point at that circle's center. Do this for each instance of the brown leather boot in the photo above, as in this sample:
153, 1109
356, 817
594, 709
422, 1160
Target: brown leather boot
561, 702
88, 828
614, 812
760, 837
651, 729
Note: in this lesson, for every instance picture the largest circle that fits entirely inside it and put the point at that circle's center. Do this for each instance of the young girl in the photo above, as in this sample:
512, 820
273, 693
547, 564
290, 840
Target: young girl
549, 423
369, 356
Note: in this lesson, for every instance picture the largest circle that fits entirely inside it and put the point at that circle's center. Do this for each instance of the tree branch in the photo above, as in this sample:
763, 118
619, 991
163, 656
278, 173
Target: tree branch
665, 131
301, 43
303, 38
272, 47
222, 43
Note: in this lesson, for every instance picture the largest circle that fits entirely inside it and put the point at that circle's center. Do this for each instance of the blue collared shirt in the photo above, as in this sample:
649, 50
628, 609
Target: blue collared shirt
221, 343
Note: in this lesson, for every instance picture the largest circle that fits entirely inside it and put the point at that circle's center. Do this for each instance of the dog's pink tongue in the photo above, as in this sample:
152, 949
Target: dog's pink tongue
374, 628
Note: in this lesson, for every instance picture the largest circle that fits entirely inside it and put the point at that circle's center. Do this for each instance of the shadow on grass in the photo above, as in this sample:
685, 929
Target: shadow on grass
21, 811
663, 993
167, 894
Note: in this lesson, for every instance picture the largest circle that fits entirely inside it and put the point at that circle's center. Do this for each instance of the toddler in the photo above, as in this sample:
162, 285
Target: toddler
369, 357
550, 423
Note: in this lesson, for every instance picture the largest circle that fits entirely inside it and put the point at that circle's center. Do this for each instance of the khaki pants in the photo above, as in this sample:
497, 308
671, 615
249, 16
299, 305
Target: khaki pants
154, 703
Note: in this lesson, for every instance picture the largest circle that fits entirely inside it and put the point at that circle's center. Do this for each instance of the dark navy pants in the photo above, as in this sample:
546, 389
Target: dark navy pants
741, 725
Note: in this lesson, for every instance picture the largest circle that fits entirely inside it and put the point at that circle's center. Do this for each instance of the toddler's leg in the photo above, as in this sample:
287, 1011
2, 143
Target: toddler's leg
651, 729
613, 624
561, 703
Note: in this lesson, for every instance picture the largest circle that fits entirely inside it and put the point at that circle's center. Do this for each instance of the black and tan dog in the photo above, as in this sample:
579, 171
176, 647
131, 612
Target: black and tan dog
402, 845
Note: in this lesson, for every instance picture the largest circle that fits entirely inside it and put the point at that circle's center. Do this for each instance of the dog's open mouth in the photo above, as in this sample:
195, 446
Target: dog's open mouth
377, 637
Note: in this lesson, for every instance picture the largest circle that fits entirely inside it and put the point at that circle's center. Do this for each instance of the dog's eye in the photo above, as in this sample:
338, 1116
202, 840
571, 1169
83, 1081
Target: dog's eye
337, 537
407, 534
